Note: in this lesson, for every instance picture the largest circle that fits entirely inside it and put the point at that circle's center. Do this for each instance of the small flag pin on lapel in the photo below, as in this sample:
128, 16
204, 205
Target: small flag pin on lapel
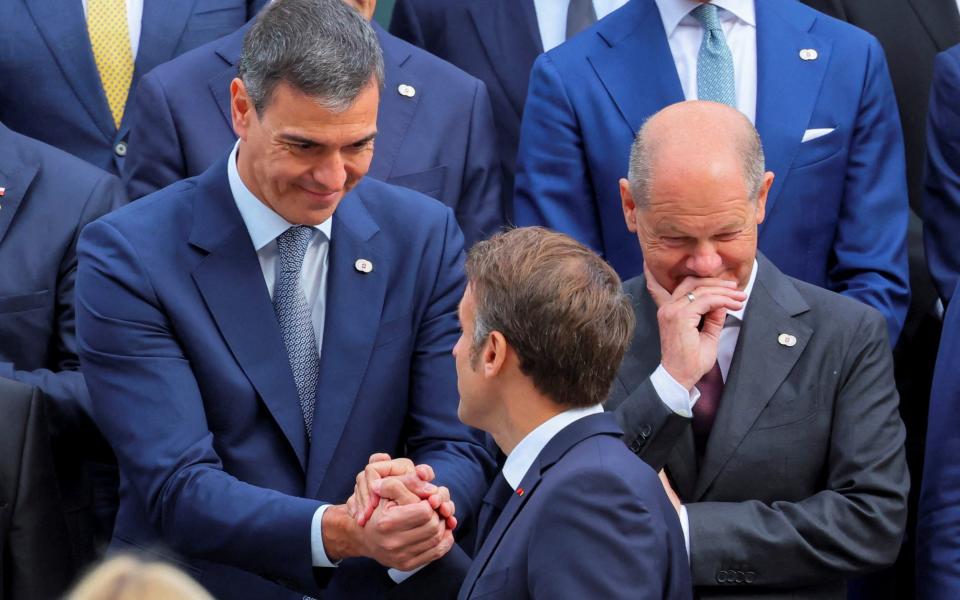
3, 190
519, 491
785, 339
363, 265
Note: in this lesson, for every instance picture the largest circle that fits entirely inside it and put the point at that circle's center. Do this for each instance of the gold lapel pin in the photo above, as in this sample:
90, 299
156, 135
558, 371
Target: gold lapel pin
363, 265
785, 339
809, 54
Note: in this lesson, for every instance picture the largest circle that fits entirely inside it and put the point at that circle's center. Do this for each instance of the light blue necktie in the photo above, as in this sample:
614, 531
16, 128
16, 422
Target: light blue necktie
294, 315
715, 79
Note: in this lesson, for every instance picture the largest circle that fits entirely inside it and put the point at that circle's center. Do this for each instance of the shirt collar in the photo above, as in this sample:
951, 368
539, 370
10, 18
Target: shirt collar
673, 11
529, 448
263, 224
738, 314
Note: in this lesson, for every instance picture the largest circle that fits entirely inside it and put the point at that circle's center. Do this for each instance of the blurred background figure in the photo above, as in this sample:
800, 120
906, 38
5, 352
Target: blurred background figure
129, 578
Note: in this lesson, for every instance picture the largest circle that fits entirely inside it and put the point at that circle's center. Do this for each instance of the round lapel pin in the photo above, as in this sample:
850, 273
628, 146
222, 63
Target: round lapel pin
363, 265
808, 54
406, 90
785, 339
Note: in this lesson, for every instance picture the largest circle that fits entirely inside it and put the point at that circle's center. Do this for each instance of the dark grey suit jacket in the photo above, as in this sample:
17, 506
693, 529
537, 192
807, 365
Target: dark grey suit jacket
34, 546
804, 482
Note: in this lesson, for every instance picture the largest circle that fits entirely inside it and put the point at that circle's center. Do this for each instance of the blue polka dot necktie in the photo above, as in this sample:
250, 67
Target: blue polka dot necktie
294, 315
715, 78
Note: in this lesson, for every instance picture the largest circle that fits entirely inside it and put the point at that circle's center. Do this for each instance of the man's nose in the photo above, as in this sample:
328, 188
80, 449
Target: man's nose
330, 172
705, 261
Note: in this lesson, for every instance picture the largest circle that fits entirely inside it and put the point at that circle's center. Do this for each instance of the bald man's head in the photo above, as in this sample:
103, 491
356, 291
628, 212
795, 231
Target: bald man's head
695, 134
696, 193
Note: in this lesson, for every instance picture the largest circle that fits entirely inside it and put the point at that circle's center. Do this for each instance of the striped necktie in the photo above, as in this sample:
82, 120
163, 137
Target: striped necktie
110, 41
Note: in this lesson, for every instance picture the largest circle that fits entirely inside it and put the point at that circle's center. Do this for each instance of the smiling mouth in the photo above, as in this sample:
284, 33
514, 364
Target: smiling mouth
319, 195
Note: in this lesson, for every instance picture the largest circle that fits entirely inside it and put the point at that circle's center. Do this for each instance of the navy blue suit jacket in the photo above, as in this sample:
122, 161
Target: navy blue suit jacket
938, 519
438, 142
941, 198
593, 521
48, 197
51, 88
494, 40
837, 212
190, 381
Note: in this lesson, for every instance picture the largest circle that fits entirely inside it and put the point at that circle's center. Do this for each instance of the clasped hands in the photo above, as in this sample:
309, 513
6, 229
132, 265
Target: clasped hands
396, 516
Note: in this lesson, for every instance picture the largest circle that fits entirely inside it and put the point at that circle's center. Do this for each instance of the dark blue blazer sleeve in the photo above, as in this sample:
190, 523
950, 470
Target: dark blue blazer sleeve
938, 520
941, 191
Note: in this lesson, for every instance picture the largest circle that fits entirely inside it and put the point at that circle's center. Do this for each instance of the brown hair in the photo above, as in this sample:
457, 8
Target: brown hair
560, 307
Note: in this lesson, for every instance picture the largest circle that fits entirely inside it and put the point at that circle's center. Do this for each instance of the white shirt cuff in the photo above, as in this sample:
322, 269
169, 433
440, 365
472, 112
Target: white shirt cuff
685, 526
320, 558
399, 576
673, 394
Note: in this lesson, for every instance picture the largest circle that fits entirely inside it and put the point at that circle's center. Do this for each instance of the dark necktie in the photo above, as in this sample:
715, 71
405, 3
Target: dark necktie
295, 318
493, 503
580, 15
705, 410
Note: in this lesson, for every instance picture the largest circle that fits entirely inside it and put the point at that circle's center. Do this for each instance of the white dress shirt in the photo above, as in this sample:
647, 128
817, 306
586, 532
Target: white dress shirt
684, 34
264, 225
552, 18
681, 400
521, 458
134, 17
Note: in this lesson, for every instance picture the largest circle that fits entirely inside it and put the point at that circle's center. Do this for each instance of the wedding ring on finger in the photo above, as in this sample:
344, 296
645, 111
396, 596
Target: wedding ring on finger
691, 297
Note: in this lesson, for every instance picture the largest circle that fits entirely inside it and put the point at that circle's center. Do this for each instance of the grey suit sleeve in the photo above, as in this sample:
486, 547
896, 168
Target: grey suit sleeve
651, 429
851, 527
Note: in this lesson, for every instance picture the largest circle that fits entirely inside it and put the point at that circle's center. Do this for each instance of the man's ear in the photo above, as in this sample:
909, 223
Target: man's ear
762, 196
629, 206
241, 108
494, 355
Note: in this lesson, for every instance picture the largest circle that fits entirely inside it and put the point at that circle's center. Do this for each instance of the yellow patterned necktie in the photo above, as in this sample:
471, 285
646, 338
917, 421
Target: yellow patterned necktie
110, 40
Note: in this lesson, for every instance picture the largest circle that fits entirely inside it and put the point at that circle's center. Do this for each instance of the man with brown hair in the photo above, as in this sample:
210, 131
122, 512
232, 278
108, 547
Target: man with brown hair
573, 514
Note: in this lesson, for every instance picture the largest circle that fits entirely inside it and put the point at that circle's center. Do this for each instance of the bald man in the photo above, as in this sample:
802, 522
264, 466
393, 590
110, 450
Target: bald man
769, 402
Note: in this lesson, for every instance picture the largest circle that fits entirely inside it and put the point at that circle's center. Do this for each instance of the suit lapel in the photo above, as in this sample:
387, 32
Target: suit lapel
230, 271
941, 19
16, 177
396, 110
353, 310
162, 27
567, 438
787, 86
229, 49
638, 90
64, 29
751, 384
511, 39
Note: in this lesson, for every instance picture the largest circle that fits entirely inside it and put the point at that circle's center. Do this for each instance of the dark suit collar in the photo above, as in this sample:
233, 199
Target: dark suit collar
568, 437
228, 48
941, 19
510, 36
396, 110
760, 364
17, 172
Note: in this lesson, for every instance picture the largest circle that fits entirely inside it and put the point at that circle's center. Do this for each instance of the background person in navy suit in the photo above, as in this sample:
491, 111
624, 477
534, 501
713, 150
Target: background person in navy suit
497, 41
573, 513
48, 197
837, 211
435, 129
252, 335
52, 88
938, 524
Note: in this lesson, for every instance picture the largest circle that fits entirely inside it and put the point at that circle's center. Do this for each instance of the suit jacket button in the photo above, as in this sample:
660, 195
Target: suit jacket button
749, 576
645, 431
635, 447
721, 576
120, 148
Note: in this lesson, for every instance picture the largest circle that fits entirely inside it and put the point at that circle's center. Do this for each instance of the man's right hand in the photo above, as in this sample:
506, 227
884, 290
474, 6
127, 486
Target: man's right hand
687, 349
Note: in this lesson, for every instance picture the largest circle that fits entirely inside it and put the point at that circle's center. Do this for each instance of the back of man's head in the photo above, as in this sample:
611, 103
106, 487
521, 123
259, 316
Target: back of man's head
559, 306
321, 48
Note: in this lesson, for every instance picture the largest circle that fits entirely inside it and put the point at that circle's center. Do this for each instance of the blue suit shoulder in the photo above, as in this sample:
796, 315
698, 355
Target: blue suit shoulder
449, 78
393, 206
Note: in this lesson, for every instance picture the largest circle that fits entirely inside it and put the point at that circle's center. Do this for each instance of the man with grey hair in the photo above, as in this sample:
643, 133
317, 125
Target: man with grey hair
251, 337
776, 425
